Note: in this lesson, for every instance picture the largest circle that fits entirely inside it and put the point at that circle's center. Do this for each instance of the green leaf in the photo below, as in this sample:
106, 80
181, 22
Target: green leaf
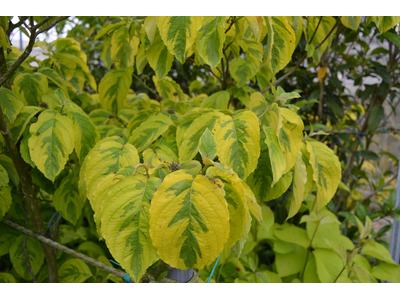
86, 135
179, 33
35, 255
149, 131
10, 104
123, 49
99, 116
238, 141
327, 171
5, 193
276, 157
107, 156
208, 145
54, 78
325, 26
125, 223
65, 64
30, 87
329, 265
387, 272
375, 118
299, 185
74, 271
6, 278
393, 37
293, 234
218, 100
351, 22
159, 57
113, 88
251, 48
51, 142
150, 25
108, 28
281, 43
257, 104
181, 213
8, 165
290, 263
242, 70
378, 251
210, 40
22, 120
385, 23
67, 199
189, 137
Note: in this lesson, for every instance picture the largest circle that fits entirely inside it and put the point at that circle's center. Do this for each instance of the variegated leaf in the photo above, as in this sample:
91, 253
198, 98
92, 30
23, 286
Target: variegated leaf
125, 223
30, 87
238, 141
113, 88
10, 104
190, 140
219, 100
149, 131
242, 70
385, 23
208, 145
210, 40
299, 186
276, 157
327, 171
107, 156
189, 221
159, 57
351, 22
54, 78
52, 141
5, 193
179, 33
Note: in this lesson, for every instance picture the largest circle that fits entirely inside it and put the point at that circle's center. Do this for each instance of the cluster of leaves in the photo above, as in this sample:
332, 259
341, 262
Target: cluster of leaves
183, 177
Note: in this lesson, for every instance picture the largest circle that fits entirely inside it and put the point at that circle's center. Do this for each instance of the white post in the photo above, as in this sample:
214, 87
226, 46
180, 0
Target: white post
395, 246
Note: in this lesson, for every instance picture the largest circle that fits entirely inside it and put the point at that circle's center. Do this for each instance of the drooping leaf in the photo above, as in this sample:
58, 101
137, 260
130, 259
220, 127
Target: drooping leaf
54, 78
52, 141
208, 145
30, 87
125, 223
22, 120
150, 25
385, 23
378, 251
7, 163
6, 278
5, 193
159, 57
299, 186
35, 255
238, 141
327, 171
328, 264
10, 104
113, 88
67, 199
387, 272
376, 116
123, 48
179, 33
149, 131
219, 100
107, 156
74, 271
191, 137
210, 40
351, 22
86, 135
189, 220
242, 70
276, 158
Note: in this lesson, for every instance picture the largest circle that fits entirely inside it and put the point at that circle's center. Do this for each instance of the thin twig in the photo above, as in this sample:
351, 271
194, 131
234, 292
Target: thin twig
315, 31
328, 35
67, 250
379, 189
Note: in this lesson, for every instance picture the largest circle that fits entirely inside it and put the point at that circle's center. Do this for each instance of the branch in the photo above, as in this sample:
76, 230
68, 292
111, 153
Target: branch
380, 189
330, 32
54, 23
12, 26
315, 31
69, 251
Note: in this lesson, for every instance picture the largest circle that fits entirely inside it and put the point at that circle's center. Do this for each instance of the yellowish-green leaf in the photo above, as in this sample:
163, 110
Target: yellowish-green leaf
276, 157
74, 271
108, 156
122, 52
149, 131
67, 199
280, 44
238, 141
290, 263
251, 201
325, 26
327, 171
6, 278
52, 141
191, 137
387, 272
159, 57
4, 41
208, 145
242, 70
385, 23
189, 221
219, 100
30, 88
210, 40
10, 104
150, 25
299, 185
329, 265
108, 28
54, 78
251, 48
351, 22
179, 33
113, 88
378, 251
257, 103
65, 64
35, 256
5, 193
125, 223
